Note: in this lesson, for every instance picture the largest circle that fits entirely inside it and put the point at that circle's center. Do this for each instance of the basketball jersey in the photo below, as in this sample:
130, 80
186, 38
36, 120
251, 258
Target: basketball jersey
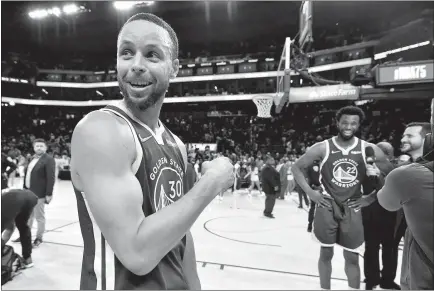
342, 171
160, 171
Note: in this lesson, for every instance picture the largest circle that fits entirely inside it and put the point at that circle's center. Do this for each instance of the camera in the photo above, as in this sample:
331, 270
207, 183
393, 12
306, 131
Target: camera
428, 147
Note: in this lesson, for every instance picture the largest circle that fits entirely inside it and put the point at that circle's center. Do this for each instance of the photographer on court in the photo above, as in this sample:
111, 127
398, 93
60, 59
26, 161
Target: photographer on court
411, 188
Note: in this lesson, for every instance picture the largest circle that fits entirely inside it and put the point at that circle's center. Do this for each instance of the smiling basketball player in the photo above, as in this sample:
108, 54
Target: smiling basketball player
343, 170
128, 169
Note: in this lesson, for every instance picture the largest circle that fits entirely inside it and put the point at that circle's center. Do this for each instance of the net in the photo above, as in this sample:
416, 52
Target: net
263, 104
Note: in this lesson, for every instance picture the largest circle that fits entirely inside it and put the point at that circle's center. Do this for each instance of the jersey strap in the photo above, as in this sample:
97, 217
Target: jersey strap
139, 152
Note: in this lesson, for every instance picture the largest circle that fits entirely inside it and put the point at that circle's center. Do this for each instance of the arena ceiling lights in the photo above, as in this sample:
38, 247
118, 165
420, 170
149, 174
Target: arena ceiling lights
68, 9
127, 5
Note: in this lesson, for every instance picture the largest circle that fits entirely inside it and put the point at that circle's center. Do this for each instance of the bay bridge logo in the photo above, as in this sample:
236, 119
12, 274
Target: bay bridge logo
345, 173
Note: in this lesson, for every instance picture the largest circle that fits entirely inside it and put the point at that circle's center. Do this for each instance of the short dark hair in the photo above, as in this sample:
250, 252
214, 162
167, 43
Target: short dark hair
39, 140
160, 22
350, 110
426, 127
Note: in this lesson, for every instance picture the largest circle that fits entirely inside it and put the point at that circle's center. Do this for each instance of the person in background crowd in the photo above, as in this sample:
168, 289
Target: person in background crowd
197, 168
290, 176
411, 188
283, 173
40, 179
22, 163
8, 166
270, 185
378, 226
254, 179
301, 195
59, 164
13, 156
313, 177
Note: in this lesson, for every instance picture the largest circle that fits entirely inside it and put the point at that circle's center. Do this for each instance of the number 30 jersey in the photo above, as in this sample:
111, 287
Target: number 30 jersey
160, 170
343, 171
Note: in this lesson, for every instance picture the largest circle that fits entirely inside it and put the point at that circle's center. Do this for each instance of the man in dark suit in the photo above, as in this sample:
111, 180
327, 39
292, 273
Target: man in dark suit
39, 178
270, 185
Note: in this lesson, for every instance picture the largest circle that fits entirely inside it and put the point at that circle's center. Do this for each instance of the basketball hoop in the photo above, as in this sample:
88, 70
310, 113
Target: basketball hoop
264, 104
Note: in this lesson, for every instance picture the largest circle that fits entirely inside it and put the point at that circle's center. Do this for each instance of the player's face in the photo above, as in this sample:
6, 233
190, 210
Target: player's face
348, 126
144, 63
411, 139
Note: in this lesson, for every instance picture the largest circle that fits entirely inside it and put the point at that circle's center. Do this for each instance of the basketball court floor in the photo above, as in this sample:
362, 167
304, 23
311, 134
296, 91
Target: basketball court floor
236, 247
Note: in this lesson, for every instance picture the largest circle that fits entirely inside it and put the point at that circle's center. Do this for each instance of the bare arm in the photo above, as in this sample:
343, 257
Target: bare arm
102, 154
189, 264
299, 169
402, 185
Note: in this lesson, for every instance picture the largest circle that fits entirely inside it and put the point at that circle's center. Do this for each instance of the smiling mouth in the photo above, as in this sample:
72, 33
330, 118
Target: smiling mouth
140, 85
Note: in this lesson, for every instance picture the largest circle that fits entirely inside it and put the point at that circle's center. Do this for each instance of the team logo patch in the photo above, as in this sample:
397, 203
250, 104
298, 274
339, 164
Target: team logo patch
345, 173
169, 187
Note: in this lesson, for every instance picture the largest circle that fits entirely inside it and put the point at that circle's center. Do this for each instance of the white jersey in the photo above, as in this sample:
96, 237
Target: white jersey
255, 174
237, 167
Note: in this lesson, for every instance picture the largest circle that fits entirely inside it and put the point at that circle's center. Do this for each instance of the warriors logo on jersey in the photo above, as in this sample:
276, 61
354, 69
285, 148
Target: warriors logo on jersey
342, 171
168, 188
345, 173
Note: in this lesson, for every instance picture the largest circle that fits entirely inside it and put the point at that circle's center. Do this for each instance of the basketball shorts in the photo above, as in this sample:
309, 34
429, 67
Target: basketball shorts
340, 225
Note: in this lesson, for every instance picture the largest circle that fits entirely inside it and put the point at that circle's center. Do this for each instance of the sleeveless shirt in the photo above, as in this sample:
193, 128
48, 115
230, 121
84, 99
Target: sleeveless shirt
160, 170
342, 171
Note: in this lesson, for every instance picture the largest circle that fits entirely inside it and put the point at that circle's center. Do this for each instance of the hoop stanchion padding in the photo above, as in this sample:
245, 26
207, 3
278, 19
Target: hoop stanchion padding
263, 104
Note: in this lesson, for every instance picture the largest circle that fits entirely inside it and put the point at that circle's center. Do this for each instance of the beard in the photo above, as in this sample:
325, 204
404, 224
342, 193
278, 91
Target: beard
345, 137
143, 103
407, 148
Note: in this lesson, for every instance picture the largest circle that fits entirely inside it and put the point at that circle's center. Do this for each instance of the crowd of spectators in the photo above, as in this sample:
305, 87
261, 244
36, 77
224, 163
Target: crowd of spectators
241, 137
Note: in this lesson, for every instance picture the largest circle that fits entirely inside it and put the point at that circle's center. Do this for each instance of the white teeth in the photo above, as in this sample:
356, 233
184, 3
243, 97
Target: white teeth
140, 84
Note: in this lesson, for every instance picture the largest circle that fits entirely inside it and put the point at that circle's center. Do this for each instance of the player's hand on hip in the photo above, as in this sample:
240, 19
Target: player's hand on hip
372, 170
356, 204
319, 198
220, 169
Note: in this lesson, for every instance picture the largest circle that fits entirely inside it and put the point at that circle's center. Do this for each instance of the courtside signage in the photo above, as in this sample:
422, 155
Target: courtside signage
324, 93
405, 73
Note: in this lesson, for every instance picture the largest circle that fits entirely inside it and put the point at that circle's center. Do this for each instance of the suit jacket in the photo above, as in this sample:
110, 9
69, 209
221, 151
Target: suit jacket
42, 176
270, 180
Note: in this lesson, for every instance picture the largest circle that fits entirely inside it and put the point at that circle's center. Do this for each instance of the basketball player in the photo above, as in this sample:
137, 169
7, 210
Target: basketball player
127, 169
343, 169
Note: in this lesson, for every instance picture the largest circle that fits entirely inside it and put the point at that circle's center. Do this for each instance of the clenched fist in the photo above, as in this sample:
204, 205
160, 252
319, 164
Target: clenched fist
220, 169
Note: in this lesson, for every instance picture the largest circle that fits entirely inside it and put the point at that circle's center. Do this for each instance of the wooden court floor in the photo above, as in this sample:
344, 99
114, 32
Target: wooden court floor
236, 247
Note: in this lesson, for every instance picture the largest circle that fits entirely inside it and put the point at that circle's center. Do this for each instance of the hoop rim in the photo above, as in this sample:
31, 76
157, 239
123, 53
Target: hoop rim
262, 97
